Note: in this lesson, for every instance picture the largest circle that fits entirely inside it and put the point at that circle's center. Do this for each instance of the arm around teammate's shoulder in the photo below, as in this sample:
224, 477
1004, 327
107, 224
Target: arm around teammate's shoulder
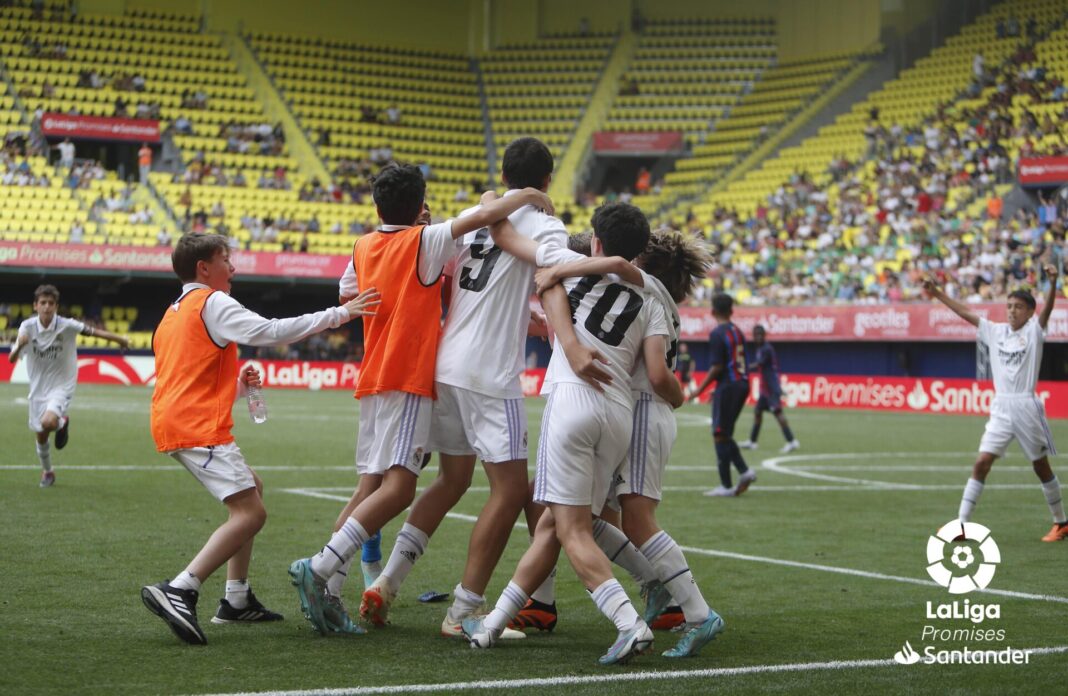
663, 381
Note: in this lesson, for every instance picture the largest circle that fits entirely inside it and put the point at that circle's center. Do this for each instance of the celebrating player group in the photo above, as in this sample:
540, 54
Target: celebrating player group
429, 385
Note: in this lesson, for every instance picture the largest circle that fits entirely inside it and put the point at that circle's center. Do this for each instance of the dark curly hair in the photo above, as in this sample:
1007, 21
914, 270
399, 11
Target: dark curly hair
622, 230
398, 191
677, 262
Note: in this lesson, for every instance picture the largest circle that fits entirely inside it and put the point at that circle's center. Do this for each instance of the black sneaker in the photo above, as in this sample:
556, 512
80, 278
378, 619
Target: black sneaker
178, 608
62, 435
252, 613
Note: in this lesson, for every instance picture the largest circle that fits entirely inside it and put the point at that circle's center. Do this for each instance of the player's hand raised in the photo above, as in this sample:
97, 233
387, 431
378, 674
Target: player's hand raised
359, 305
544, 278
930, 286
586, 363
1052, 273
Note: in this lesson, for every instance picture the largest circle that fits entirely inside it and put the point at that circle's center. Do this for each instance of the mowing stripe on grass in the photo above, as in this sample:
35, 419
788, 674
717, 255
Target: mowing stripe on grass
616, 678
312, 493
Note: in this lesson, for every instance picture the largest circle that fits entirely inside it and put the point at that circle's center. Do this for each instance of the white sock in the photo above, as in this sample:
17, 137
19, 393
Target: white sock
186, 581
972, 490
410, 545
1052, 489
371, 569
546, 592
673, 571
342, 546
44, 455
237, 593
465, 602
512, 599
612, 600
620, 551
337, 580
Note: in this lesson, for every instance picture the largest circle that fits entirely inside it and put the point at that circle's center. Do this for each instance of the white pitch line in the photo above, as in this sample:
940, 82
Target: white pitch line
861, 573
650, 676
746, 557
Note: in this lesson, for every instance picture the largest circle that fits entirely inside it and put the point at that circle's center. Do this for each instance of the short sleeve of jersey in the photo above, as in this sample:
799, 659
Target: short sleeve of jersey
438, 248
718, 348
551, 231
24, 327
658, 321
553, 254
74, 326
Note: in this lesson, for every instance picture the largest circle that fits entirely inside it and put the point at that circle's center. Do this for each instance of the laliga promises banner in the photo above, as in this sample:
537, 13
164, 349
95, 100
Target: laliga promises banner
100, 128
637, 143
1043, 171
888, 322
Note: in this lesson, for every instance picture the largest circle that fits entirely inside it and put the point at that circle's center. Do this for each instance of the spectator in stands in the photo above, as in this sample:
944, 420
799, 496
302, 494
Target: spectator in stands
47, 90
66, 153
77, 232
120, 107
144, 162
138, 82
324, 138
368, 114
304, 243
393, 115
183, 125
163, 238
1012, 27
643, 182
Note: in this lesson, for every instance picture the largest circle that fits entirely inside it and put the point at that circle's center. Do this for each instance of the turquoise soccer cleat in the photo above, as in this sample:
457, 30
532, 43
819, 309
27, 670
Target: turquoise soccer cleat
696, 637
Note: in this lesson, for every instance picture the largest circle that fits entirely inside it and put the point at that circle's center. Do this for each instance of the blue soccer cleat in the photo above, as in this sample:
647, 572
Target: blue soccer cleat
312, 592
632, 642
697, 636
657, 599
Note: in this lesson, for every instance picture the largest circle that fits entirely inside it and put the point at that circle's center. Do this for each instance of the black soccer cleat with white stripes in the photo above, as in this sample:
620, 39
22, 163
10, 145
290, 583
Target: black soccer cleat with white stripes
178, 608
253, 612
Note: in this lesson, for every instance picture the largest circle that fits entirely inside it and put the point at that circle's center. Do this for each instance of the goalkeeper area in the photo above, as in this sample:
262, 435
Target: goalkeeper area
819, 570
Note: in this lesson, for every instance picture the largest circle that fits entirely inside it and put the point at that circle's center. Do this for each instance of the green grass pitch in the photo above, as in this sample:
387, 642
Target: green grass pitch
121, 516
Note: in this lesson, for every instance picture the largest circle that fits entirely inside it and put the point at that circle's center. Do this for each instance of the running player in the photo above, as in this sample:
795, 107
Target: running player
770, 399
728, 371
585, 433
479, 411
196, 383
671, 266
52, 365
1017, 412
404, 261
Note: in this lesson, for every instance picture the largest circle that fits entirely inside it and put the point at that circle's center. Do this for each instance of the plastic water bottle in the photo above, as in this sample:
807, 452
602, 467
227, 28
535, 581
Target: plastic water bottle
257, 406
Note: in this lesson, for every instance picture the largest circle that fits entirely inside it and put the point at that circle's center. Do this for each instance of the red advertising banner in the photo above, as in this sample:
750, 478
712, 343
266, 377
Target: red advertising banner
887, 322
158, 259
905, 394
637, 143
100, 128
1043, 171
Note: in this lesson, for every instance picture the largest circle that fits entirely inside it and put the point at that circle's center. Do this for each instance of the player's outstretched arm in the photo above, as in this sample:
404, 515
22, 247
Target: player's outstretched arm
507, 238
123, 341
584, 360
1051, 297
16, 349
654, 348
227, 321
499, 209
959, 308
545, 278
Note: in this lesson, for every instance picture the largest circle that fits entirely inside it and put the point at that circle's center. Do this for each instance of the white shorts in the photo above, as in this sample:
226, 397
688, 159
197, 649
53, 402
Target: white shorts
394, 429
1020, 417
57, 402
466, 422
652, 437
219, 468
584, 438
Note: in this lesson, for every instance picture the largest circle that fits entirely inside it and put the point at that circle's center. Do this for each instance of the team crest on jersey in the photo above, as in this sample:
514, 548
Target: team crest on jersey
417, 457
524, 438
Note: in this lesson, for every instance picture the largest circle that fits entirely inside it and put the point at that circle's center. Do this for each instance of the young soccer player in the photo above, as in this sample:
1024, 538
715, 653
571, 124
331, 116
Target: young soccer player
728, 371
404, 261
585, 434
196, 384
1015, 357
770, 399
479, 410
52, 365
671, 266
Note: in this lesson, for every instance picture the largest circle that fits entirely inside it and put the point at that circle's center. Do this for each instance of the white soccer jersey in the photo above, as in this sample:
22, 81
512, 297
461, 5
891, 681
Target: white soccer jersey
639, 382
482, 344
1015, 356
51, 359
615, 317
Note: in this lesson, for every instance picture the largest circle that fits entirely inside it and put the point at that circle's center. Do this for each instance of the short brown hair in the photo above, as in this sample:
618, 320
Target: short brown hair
191, 249
580, 243
46, 291
677, 262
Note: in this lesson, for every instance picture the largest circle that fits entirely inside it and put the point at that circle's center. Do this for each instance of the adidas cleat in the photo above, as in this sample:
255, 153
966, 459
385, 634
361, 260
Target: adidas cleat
453, 628
178, 608
337, 617
480, 637
312, 592
744, 481
48, 479
697, 636
630, 643
535, 614
253, 612
374, 607
657, 599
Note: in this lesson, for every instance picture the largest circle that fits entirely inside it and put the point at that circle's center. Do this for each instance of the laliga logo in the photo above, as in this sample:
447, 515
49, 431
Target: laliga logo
962, 557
